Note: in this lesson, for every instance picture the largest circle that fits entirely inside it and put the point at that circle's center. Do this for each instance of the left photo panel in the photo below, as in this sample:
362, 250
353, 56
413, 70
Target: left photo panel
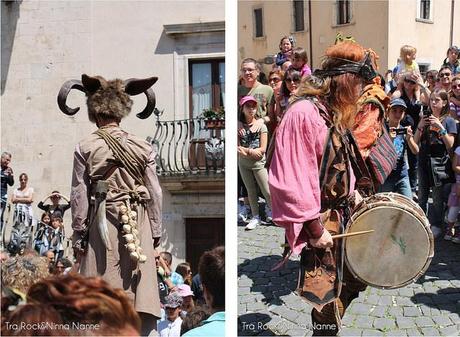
113, 168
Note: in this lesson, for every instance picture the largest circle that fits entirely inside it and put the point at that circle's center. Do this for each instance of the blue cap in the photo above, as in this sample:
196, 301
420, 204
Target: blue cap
398, 102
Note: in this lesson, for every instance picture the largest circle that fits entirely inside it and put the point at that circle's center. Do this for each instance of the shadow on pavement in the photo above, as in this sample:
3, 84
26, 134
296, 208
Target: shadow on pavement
271, 284
440, 281
444, 299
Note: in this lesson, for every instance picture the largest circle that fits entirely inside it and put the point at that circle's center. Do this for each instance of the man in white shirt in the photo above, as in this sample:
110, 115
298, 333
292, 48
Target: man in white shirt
170, 327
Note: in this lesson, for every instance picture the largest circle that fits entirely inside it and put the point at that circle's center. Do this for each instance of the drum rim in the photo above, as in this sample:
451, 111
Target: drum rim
364, 207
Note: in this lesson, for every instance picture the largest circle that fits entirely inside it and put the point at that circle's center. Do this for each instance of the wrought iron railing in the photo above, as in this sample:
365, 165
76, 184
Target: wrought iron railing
189, 146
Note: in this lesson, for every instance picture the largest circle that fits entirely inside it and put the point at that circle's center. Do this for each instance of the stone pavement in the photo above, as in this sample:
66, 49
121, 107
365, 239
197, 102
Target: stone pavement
269, 307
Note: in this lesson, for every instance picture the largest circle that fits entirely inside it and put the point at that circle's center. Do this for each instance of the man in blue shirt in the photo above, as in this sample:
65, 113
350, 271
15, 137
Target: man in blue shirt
212, 273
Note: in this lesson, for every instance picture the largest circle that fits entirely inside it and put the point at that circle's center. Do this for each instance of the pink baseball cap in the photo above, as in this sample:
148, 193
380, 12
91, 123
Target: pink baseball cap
246, 99
184, 290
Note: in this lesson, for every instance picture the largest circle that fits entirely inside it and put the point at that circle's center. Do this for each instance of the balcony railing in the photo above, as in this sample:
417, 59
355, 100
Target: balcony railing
189, 146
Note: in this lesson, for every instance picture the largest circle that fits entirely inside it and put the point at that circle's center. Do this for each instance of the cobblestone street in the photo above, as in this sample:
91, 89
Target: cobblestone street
268, 305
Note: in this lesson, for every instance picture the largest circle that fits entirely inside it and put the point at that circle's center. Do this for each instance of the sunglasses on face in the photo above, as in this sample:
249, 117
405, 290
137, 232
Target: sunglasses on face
444, 74
274, 79
457, 86
410, 81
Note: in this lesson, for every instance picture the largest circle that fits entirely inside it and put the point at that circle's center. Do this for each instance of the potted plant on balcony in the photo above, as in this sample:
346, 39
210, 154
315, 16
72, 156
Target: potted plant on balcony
214, 119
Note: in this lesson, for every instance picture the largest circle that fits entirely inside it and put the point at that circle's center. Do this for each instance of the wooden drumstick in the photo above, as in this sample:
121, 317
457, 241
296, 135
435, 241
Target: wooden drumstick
338, 236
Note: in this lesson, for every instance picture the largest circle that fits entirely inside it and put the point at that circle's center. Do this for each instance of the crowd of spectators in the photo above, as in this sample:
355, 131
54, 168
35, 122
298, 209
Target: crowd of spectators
42, 298
192, 306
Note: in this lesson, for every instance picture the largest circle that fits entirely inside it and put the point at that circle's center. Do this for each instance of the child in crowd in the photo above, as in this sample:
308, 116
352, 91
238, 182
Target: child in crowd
453, 230
170, 326
58, 237
42, 237
398, 180
188, 304
407, 60
452, 60
251, 159
285, 54
286, 65
300, 60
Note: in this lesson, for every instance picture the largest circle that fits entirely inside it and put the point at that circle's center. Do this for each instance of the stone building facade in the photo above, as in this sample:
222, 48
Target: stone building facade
385, 26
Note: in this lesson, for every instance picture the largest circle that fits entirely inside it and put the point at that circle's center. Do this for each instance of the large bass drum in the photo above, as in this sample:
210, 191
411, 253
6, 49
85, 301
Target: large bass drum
399, 250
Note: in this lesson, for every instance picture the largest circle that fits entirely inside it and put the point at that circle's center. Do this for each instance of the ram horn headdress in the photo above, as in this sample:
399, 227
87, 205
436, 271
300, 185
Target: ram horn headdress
110, 98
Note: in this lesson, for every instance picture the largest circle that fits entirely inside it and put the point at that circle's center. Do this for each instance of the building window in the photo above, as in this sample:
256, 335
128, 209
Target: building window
299, 17
343, 12
258, 22
424, 11
206, 85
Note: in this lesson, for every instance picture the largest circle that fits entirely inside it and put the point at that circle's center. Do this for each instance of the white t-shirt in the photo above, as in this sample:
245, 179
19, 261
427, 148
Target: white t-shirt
166, 328
23, 194
27, 208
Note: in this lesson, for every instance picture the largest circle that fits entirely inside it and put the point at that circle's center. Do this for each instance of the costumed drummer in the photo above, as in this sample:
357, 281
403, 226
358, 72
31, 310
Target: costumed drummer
116, 197
312, 198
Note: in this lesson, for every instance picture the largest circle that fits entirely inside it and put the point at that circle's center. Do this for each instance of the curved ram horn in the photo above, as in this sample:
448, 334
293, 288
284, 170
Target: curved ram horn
151, 102
134, 86
64, 92
91, 84
137, 86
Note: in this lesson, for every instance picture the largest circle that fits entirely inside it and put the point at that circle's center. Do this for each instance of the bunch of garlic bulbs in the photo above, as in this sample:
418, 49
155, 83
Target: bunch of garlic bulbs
131, 233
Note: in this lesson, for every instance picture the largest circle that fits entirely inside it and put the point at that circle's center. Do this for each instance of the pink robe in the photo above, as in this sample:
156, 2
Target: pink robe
294, 170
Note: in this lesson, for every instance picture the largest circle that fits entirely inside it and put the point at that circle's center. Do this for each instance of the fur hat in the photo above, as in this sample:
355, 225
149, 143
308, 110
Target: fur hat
109, 99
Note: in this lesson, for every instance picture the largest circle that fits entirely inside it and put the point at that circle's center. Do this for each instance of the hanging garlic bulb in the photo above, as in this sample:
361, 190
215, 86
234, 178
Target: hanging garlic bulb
134, 256
129, 238
133, 215
131, 247
131, 232
123, 209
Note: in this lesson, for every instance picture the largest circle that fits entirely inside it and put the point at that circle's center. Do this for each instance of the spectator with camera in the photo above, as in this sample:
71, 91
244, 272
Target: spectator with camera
55, 208
398, 180
409, 91
435, 133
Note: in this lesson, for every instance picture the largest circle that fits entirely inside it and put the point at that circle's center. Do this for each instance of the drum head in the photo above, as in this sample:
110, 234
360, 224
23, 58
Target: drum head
396, 253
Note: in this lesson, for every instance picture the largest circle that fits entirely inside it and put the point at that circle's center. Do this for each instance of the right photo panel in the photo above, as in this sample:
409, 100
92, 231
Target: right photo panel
348, 168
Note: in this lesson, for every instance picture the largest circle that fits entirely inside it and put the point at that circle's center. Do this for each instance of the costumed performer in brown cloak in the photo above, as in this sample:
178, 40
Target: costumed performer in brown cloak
116, 197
